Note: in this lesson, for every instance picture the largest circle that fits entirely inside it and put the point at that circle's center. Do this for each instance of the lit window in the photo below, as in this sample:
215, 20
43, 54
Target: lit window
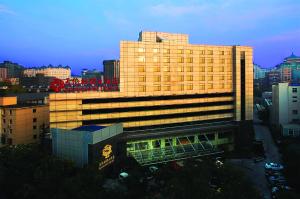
189, 60
210, 78
201, 87
189, 51
167, 88
167, 69
180, 51
155, 59
210, 86
180, 78
210, 60
156, 78
189, 69
180, 69
202, 60
209, 52
190, 87
141, 69
202, 69
156, 69
167, 78
221, 69
142, 88
141, 50
201, 52
202, 78
155, 50
141, 59
142, 78
166, 50
157, 88
221, 78
189, 78
166, 59
210, 69
180, 59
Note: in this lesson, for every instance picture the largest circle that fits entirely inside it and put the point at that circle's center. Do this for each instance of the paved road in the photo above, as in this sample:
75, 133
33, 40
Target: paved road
255, 171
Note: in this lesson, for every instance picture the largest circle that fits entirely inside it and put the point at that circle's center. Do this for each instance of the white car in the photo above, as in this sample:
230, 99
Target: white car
273, 166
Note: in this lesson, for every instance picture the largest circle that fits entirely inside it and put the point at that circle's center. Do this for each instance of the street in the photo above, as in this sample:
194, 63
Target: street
255, 171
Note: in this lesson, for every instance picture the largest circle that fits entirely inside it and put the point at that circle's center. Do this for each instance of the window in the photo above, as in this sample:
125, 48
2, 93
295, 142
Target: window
294, 96
156, 144
294, 100
34, 136
166, 69
294, 90
142, 88
10, 112
189, 78
141, 50
210, 78
180, 59
11, 131
4, 121
201, 87
142, 78
202, 60
221, 86
141, 69
290, 132
167, 78
141, 145
221, 69
167, 60
167, 88
180, 78
180, 51
34, 110
190, 87
221, 52
222, 61
209, 52
295, 112
201, 52
34, 119
141, 59
168, 142
155, 50
34, 127
210, 69
4, 130
189, 60
157, 88
180, 68
166, 50
156, 69
210, 60
156, 78
155, 59
10, 121
202, 69
223, 135
189, 51
210, 86
189, 69
202, 78
221, 78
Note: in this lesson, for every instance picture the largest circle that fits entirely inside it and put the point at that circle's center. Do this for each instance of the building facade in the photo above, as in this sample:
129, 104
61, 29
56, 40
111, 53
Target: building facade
14, 70
290, 69
173, 94
259, 72
60, 72
22, 123
111, 69
285, 107
3, 74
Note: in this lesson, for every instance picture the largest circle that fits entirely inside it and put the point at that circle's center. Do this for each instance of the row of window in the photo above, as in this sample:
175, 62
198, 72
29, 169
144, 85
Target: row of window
202, 60
10, 121
167, 78
182, 51
10, 111
142, 88
187, 69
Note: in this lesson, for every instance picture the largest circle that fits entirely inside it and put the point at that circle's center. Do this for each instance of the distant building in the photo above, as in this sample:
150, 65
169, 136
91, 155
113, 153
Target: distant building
271, 78
111, 69
285, 114
290, 69
14, 70
60, 72
37, 82
85, 73
259, 72
3, 74
22, 123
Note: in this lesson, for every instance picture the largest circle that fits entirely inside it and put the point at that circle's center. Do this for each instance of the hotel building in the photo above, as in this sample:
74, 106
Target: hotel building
176, 99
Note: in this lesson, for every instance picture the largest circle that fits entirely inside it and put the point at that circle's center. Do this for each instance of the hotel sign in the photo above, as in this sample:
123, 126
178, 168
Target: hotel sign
85, 84
108, 155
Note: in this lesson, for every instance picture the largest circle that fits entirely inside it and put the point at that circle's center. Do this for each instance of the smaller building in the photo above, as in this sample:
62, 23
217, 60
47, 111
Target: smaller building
22, 123
88, 74
111, 69
14, 70
88, 144
259, 72
3, 74
271, 78
285, 107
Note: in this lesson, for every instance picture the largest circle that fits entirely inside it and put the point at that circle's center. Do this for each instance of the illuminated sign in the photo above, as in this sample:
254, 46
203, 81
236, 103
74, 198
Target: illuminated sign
109, 158
91, 84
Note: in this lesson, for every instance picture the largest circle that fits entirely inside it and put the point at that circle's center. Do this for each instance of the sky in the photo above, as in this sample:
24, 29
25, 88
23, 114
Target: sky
83, 33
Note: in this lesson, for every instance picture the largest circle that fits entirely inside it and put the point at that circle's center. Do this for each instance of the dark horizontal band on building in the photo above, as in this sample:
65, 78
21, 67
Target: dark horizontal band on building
151, 108
155, 117
154, 98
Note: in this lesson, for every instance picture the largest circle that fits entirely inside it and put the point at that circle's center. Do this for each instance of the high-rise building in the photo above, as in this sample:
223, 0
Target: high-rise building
290, 69
174, 98
111, 69
285, 111
259, 72
60, 72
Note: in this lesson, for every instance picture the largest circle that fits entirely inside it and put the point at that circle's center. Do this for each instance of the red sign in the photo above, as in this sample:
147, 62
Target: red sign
91, 84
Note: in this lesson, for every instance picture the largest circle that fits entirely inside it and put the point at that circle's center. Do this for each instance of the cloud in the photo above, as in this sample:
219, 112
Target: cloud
5, 10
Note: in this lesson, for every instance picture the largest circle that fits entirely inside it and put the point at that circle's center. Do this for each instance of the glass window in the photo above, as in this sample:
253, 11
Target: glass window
189, 60
141, 50
180, 59
155, 50
294, 90
157, 88
34, 110
34, 127
209, 52
34, 119
295, 112
141, 59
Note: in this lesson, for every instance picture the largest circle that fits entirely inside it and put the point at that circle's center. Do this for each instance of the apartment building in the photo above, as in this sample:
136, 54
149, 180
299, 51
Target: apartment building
175, 98
22, 123
285, 111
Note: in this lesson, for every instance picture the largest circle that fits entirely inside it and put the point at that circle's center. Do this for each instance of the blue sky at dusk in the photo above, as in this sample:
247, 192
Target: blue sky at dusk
81, 33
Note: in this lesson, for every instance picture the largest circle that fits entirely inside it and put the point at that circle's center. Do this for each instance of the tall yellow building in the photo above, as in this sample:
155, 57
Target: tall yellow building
172, 93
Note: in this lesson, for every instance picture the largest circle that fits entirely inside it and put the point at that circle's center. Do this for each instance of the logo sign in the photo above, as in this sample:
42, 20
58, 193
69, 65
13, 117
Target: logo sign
91, 84
109, 158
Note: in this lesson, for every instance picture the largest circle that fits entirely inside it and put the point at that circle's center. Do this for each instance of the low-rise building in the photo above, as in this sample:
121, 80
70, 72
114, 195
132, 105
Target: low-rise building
22, 123
285, 114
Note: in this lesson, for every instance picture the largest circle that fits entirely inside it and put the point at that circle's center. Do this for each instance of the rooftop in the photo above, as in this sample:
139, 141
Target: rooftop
89, 128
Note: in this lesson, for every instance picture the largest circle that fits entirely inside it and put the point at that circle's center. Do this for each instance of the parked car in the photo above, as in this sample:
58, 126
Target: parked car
273, 166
